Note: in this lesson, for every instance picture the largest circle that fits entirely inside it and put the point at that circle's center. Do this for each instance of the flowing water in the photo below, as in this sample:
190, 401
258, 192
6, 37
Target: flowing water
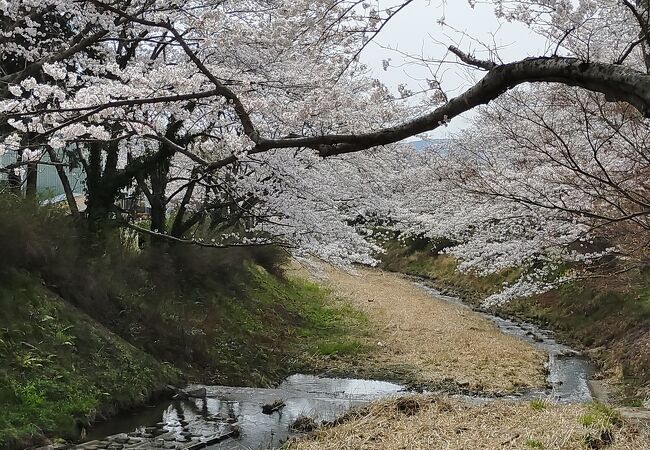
192, 422
568, 371
232, 417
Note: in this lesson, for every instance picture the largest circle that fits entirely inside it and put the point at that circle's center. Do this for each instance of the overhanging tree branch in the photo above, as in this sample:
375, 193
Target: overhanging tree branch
618, 83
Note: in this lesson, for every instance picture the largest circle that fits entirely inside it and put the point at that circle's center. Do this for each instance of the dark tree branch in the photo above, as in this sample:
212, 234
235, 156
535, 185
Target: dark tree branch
381, 27
471, 60
65, 182
223, 90
35, 67
199, 243
618, 83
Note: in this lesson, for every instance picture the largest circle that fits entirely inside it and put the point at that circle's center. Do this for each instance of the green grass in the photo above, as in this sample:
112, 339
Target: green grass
538, 404
600, 421
60, 368
340, 347
534, 443
600, 417
330, 327
272, 328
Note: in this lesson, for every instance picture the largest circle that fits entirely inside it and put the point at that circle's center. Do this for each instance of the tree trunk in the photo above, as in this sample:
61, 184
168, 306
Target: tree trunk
65, 182
13, 178
101, 191
179, 227
31, 181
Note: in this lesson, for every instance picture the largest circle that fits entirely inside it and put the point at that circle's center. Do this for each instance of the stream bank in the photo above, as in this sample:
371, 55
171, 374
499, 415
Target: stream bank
233, 417
608, 317
65, 370
570, 373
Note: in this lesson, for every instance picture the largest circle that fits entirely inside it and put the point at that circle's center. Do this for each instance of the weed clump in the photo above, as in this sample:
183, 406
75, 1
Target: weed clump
602, 421
303, 424
538, 404
534, 443
408, 406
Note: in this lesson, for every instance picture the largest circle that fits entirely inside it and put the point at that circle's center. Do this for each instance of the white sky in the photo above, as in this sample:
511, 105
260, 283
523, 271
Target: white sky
415, 30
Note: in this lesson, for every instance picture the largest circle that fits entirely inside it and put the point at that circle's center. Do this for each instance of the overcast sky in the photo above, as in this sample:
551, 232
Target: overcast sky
415, 30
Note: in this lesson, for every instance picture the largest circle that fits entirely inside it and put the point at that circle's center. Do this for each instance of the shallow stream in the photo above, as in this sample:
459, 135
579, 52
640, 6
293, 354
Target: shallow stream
569, 372
232, 417
188, 423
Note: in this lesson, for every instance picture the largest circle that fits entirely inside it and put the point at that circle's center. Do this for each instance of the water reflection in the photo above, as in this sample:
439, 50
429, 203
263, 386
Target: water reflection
232, 408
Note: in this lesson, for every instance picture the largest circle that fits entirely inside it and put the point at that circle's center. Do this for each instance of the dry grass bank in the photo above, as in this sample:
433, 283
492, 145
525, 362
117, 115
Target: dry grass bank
422, 422
608, 316
438, 344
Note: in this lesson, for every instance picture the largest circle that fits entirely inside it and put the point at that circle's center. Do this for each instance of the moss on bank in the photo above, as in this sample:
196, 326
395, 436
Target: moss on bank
608, 316
426, 261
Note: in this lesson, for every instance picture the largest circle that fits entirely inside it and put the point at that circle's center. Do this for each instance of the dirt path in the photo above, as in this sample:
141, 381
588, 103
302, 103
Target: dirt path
436, 343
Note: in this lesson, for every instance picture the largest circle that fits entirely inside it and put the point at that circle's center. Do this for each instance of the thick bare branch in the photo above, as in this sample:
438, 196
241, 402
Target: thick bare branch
618, 83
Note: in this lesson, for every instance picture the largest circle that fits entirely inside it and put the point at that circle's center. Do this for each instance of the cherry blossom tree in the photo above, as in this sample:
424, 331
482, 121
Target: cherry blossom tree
547, 175
259, 112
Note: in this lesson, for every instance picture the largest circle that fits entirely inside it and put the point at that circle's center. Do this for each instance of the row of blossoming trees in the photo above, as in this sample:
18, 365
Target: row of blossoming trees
255, 121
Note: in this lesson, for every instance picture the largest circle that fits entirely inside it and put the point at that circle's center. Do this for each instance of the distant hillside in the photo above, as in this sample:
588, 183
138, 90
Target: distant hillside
439, 145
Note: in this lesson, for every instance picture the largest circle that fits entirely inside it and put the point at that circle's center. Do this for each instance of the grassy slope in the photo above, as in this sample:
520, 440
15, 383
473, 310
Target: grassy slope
63, 368
90, 324
609, 316
260, 330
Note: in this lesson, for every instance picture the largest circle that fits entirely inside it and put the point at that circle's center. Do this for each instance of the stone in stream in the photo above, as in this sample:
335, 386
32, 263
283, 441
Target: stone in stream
534, 336
272, 407
193, 393
120, 439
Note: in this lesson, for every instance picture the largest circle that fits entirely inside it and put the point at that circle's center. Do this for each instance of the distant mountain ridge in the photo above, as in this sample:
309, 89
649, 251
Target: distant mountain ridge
440, 145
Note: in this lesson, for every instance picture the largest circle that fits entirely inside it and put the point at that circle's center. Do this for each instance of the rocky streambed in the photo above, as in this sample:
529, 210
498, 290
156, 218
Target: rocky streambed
234, 417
